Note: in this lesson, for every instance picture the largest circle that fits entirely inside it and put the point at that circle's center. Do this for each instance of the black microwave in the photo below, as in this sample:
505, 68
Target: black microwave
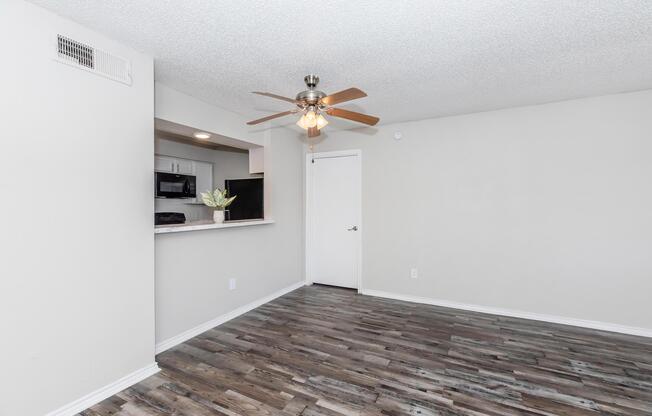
172, 185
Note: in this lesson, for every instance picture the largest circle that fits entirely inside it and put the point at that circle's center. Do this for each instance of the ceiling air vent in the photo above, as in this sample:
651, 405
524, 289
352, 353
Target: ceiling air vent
94, 60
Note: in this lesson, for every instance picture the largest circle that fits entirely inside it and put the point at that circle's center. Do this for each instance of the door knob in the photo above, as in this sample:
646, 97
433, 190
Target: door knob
354, 228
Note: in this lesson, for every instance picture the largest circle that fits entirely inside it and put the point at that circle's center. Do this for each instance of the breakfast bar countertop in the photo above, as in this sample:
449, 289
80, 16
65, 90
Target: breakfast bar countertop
206, 225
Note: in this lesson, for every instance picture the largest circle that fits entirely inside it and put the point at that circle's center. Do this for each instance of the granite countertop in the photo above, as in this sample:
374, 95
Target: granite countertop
206, 225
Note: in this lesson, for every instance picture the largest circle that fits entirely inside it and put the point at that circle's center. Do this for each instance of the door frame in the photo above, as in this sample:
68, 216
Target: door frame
308, 183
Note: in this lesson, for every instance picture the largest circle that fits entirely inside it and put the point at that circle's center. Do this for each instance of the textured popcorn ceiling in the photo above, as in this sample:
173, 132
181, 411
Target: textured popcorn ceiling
415, 59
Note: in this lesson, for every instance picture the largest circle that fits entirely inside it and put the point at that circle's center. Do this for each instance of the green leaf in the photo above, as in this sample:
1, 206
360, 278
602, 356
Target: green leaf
217, 199
229, 200
207, 199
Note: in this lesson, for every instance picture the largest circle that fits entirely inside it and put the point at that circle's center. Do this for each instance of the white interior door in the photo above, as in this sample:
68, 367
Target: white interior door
333, 218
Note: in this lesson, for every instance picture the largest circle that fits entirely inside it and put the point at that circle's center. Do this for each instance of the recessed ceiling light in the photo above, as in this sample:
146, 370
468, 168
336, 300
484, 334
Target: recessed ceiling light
202, 135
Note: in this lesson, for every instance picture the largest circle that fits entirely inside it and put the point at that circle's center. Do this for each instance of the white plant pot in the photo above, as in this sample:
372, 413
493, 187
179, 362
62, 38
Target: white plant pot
218, 216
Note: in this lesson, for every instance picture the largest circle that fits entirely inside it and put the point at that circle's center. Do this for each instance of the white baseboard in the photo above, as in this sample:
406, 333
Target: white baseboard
117, 386
603, 326
105, 392
193, 332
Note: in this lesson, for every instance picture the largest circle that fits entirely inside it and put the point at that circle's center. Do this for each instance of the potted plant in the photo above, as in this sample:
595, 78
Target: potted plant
218, 200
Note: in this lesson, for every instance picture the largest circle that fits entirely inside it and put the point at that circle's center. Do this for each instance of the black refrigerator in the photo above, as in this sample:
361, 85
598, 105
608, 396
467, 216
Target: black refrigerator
249, 202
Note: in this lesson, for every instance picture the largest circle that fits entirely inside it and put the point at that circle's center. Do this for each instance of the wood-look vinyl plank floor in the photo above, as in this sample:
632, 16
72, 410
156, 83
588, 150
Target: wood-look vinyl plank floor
322, 351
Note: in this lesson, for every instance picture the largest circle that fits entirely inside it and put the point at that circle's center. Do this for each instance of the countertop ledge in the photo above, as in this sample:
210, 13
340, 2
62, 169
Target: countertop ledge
206, 225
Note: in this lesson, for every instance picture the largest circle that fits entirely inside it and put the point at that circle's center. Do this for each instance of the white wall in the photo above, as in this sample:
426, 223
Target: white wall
172, 105
193, 268
226, 165
544, 209
77, 244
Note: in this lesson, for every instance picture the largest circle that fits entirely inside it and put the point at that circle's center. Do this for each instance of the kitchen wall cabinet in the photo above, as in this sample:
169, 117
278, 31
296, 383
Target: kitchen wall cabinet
164, 164
173, 165
204, 173
185, 167
257, 160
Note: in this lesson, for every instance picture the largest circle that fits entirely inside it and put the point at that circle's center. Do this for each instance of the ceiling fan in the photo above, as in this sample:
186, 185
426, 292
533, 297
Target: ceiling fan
313, 104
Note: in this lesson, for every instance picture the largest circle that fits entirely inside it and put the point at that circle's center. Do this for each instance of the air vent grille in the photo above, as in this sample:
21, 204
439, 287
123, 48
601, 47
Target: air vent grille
94, 60
75, 52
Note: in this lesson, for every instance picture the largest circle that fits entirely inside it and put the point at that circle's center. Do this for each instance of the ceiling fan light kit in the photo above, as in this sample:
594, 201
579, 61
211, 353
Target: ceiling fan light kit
312, 104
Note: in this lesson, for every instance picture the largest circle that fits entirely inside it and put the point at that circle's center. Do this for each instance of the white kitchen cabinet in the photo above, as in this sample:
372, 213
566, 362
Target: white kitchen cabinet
164, 164
185, 167
204, 173
174, 165
257, 160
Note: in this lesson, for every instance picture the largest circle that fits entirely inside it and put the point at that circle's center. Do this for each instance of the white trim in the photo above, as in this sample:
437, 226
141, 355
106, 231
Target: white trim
308, 199
105, 392
603, 326
193, 332
335, 153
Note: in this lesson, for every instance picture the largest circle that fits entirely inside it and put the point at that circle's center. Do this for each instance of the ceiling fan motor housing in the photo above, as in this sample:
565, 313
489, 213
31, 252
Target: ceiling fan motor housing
311, 96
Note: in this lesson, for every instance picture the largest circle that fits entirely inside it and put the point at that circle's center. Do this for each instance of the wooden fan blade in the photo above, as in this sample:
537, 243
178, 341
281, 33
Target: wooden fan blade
352, 115
346, 95
273, 116
278, 97
313, 132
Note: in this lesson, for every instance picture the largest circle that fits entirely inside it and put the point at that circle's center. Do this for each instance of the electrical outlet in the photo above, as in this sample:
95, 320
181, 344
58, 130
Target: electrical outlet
414, 273
232, 284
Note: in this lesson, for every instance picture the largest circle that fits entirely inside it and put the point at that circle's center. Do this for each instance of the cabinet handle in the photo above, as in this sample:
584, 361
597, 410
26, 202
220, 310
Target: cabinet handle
172, 166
